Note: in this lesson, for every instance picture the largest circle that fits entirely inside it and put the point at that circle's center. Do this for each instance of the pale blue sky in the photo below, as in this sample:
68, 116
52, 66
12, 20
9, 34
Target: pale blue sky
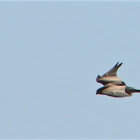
50, 56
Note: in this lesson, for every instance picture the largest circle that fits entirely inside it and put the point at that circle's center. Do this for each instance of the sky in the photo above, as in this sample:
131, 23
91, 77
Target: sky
50, 56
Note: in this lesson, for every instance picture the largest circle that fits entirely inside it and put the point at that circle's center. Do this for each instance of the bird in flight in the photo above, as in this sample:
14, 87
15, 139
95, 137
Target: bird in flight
113, 85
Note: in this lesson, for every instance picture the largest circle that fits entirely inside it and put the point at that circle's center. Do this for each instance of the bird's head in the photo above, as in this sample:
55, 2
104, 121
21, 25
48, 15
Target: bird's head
101, 90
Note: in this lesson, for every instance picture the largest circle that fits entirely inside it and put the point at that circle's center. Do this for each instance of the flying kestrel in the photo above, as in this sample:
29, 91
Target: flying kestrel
114, 86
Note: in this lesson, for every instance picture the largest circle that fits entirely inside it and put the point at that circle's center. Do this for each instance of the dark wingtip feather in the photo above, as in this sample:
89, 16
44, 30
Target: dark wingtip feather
120, 64
116, 64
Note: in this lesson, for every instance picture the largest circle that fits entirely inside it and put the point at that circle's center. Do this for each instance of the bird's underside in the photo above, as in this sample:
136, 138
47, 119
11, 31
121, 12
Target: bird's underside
113, 85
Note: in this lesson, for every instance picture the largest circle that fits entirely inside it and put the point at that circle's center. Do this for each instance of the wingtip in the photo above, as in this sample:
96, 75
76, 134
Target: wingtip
118, 65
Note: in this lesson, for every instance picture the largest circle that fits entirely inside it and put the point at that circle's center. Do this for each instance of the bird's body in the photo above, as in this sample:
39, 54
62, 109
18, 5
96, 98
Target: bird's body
113, 85
113, 90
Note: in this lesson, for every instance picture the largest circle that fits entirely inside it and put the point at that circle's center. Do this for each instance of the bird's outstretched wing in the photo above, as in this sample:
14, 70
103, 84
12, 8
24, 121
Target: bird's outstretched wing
113, 71
110, 76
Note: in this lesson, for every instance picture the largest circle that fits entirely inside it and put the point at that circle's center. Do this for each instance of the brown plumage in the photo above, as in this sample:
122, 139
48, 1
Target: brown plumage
113, 85
110, 76
113, 90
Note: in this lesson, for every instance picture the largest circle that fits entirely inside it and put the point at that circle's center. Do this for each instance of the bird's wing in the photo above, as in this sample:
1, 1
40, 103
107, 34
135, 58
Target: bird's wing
110, 76
113, 71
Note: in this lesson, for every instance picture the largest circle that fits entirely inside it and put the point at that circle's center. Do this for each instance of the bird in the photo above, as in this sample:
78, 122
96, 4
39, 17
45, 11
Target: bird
113, 86
110, 76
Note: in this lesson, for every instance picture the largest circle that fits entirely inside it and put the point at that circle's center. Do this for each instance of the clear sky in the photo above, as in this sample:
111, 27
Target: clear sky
50, 56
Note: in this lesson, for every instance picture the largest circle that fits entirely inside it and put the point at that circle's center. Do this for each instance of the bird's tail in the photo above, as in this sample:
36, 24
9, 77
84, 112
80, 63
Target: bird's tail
131, 90
136, 90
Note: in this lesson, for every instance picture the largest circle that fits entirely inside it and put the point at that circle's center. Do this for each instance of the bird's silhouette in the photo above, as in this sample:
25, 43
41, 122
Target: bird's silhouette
113, 85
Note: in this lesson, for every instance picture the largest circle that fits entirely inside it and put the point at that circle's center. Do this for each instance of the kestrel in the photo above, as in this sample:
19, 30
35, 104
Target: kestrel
114, 86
